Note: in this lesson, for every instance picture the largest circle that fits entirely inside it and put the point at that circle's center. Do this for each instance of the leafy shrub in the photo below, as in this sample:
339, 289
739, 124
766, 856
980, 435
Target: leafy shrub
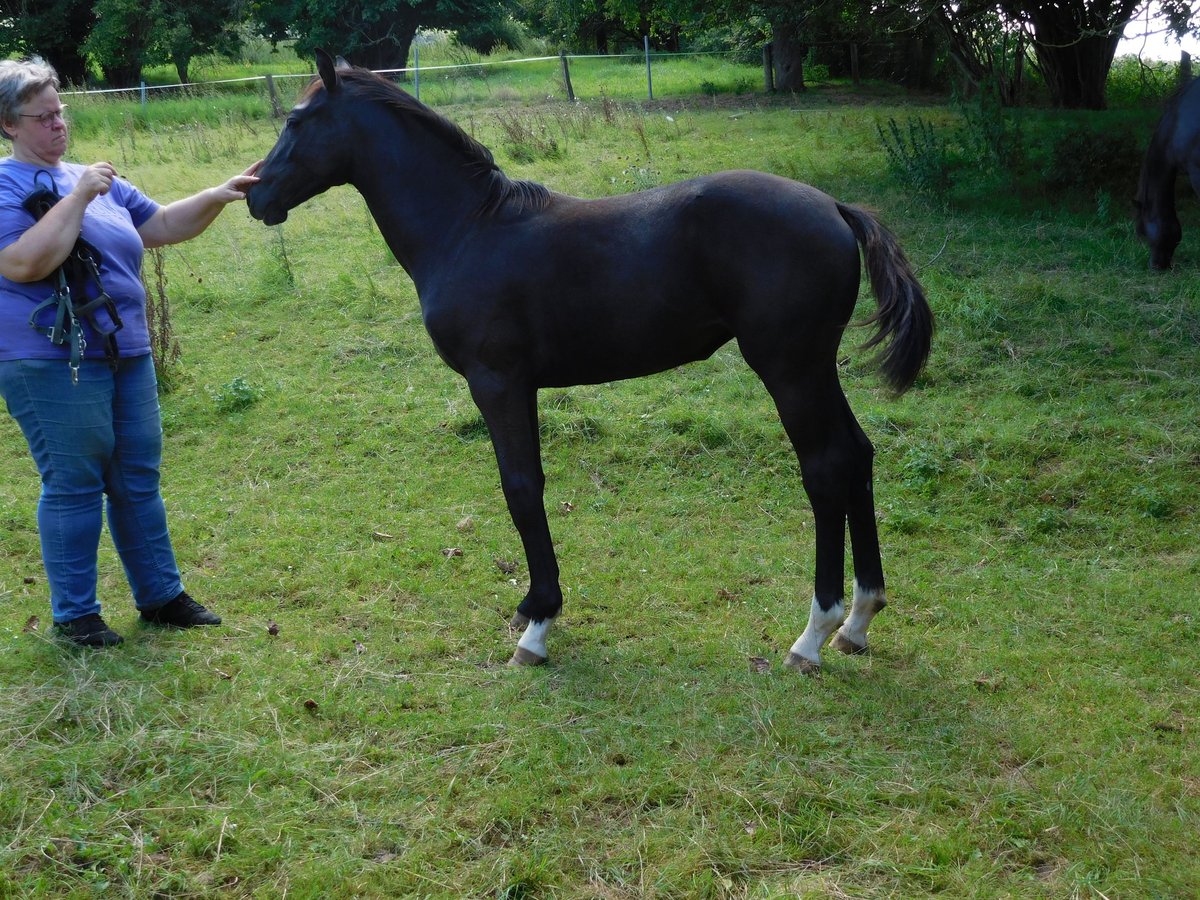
1083, 159
237, 395
919, 160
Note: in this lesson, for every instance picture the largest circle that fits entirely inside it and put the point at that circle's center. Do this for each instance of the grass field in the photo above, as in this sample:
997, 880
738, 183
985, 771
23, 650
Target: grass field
1024, 727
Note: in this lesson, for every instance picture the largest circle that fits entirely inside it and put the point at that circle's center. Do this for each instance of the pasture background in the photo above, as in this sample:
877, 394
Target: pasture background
1025, 724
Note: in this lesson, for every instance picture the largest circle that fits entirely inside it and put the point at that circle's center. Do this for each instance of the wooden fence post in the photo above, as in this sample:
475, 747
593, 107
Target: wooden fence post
854, 64
562, 55
1185, 67
276, 109
768, 68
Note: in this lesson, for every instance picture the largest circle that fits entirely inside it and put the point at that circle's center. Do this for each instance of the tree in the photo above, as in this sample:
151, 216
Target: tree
1074, 42
792, 26
988, 48
121, 40
187, 30
53, 29
375, 34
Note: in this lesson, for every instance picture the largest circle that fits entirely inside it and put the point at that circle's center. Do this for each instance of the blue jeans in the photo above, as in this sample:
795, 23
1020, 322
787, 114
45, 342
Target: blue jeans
100, 437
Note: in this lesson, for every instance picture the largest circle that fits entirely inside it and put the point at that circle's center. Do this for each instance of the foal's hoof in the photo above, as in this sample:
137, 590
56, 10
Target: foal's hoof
800, 664
518, 622
523, 657
845, 645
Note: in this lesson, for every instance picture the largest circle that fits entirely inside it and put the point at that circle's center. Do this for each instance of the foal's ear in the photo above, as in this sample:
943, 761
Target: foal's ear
327, 69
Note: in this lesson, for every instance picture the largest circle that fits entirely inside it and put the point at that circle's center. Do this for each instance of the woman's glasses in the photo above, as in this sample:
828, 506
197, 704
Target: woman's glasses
47, 119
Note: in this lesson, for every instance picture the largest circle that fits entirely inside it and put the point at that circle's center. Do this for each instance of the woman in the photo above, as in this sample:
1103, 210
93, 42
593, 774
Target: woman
92, 423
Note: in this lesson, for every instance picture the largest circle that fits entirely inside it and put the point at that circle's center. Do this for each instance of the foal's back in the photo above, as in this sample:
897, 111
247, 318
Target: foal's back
639, 283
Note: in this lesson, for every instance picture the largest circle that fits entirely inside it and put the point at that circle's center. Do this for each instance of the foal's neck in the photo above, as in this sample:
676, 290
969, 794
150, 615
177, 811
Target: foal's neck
1156, 185
420, 197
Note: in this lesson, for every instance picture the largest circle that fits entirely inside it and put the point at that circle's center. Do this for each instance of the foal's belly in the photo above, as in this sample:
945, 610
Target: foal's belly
600, 361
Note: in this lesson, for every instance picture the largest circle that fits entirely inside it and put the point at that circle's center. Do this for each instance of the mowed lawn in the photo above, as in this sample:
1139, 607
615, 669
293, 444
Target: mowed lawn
1025, 725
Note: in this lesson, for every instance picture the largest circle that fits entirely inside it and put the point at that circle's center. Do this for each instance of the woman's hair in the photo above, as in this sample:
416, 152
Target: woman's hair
19, 81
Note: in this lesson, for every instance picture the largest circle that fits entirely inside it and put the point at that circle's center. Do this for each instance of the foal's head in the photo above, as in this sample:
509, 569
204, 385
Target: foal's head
313, 152
1158, 227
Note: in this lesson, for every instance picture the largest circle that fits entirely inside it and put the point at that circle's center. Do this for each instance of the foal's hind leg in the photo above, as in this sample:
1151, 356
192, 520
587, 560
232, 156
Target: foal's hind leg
511, 416
810, 406
869, 596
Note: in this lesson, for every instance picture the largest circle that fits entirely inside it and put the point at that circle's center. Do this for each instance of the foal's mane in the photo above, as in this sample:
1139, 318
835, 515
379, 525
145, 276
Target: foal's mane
503, 193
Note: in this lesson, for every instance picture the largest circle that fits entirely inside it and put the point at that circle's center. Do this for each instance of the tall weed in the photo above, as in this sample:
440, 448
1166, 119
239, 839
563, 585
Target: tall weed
990, 138
527, 138
917, 157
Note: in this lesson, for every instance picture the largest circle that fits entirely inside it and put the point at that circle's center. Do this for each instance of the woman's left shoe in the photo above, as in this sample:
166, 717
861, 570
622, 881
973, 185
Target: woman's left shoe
182, 612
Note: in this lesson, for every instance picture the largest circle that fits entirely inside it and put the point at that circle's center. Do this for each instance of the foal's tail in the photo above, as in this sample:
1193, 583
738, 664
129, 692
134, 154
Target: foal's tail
903, 316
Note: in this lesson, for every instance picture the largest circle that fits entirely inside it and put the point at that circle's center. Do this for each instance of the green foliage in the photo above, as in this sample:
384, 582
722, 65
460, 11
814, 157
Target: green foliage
1089, 159
486, 35
1134, 83
917, 157
53, 29
990, 136
236, 396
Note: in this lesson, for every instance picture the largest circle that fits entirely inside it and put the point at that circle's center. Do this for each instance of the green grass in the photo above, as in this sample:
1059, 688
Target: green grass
1025, 725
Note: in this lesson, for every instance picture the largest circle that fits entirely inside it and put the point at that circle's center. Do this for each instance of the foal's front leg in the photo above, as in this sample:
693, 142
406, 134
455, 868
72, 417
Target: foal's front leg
511, 416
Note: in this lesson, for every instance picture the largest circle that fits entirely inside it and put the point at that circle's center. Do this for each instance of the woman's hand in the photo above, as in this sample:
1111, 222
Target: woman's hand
235, 188
184, 219
96, 181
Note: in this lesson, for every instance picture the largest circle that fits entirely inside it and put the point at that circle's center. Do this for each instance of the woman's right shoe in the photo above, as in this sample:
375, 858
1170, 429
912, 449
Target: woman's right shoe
88, 631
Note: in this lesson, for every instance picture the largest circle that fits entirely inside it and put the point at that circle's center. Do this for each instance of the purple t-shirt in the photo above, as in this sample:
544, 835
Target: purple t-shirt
110, 224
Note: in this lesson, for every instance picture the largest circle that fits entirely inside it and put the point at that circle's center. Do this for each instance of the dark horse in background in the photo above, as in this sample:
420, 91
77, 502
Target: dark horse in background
522, 288
1175, 146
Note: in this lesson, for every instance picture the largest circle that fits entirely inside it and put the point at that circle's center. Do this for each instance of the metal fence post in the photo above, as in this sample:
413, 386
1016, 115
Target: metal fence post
417, 70
649, 79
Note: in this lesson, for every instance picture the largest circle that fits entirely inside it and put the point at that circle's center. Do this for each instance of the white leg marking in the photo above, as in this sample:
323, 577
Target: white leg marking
866, 605
852, 636
821, 624
534, 638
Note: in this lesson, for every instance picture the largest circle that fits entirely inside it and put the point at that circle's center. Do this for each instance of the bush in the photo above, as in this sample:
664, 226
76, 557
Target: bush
1088, 160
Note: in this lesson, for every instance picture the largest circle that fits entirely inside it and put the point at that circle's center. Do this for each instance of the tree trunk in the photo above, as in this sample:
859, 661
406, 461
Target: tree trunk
123, 75
789, 52
71, 65
1074, 42
390, 54
386, 44
1076, 74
